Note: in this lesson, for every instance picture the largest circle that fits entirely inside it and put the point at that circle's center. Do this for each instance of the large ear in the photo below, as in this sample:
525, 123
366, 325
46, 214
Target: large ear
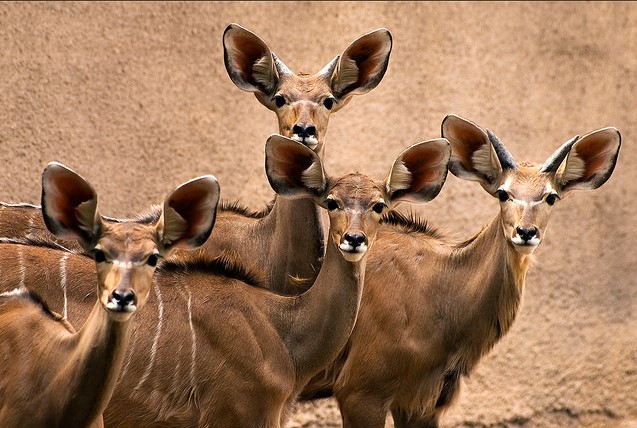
472, 154
69, 205
189, 214
419, 172
249, 61
590, 162
361, 66
293, 169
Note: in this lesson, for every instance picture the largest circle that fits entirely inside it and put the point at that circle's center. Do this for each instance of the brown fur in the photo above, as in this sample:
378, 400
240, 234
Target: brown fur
286, 241
216, 351
53, 376
252, 351
432, 308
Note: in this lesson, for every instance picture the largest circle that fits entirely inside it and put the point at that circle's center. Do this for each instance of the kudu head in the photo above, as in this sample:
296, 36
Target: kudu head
355, 203
528, 191
303, 102
127, 252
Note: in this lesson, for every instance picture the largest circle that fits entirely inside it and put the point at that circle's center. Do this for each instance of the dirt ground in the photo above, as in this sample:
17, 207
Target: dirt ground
135, 97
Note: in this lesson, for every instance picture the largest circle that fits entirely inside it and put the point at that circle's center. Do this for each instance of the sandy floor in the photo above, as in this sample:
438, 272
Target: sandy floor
135, 97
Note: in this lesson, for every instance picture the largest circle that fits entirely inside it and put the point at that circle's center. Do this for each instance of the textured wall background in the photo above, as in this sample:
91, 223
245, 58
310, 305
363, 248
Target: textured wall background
135, 97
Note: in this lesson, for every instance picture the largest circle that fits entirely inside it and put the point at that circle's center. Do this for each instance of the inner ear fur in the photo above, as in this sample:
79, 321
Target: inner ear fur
69, 205
248, 60
472, 154
419, 172
293, 169
591, 161
362, 65
189, 213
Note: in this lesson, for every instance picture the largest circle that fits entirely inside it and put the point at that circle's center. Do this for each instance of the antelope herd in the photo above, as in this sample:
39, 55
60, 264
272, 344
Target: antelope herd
327, 292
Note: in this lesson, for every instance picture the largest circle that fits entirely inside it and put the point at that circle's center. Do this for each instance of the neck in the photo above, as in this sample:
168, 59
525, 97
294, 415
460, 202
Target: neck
93, 365
317, 324
497, 275
286, 244
295, 244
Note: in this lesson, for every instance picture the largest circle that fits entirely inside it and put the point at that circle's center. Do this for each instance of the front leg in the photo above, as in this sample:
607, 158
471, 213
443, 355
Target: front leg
406, 419
359, 410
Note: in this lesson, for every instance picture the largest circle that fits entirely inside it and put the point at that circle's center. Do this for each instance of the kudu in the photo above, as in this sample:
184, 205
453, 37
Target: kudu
285, 241
51, 375
431, 308
214, 350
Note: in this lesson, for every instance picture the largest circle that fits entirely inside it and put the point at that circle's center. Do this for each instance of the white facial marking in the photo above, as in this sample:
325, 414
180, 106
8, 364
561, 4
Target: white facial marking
346, 247
548, 189
310, 141
126, 265
526, 203
533, 242
352, 254
526, 248
507, 184
114, 306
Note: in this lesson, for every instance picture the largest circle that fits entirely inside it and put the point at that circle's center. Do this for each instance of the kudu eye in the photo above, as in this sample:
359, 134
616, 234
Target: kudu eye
551, 198
379, 207
503, 195
279, 100
331, 204
329, 103
99, 256
152, 260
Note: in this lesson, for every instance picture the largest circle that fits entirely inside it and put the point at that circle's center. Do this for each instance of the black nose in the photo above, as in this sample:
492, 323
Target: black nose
304, 131
526, 233
354, 239
124, 297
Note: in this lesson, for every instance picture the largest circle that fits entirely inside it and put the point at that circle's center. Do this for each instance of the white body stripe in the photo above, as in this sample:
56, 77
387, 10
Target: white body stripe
193, 352
13, 293
31, 220
153, 349
21, 268
65, 312
131, 351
